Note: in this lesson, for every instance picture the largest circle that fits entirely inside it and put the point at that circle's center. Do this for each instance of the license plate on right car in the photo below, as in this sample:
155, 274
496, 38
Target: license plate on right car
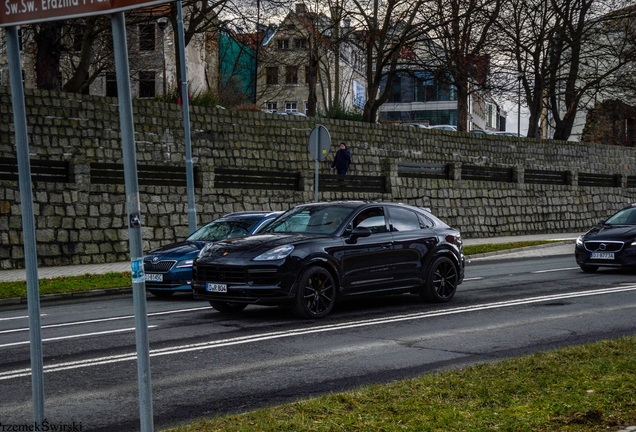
214, 287
602, 255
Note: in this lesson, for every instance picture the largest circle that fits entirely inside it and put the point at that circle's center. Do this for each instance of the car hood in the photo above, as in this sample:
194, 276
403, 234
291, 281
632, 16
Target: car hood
177, 251
252, 246
611, 232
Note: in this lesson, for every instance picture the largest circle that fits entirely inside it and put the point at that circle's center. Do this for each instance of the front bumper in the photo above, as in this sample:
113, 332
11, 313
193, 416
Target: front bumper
623, 258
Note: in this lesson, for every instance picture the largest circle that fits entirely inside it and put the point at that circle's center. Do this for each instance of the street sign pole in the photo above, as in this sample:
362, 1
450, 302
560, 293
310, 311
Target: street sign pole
317, 162
134, 220
185, 98
318, 145
28, 223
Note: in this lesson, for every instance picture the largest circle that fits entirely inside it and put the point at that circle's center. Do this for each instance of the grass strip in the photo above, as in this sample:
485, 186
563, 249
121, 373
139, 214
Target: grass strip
583, 388
479, 249
68, 284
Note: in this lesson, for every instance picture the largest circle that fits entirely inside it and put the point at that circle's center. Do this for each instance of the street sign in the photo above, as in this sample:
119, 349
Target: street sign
319, 142
19, 12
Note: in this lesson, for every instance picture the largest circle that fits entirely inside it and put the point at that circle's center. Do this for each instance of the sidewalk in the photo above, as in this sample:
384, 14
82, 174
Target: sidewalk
562, 248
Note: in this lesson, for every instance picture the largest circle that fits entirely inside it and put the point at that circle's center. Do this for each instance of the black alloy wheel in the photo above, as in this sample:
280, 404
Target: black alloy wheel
588, 268
316, 294
227, 307
161, 293
441, 281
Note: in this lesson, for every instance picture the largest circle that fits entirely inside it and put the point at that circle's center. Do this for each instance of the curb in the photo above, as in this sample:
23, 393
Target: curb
521, 249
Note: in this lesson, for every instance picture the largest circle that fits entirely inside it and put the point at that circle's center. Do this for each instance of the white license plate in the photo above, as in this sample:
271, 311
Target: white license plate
154, 277
213, 287
602, 255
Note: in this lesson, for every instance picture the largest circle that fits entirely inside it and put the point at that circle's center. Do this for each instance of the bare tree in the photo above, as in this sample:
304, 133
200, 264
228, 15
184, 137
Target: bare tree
567, 52
464, 31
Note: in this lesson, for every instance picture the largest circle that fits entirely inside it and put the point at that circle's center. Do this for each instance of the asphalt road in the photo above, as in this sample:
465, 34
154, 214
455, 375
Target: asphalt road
205, 363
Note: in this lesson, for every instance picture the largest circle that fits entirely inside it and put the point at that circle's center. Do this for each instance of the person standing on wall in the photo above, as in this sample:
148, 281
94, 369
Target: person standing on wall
341, 160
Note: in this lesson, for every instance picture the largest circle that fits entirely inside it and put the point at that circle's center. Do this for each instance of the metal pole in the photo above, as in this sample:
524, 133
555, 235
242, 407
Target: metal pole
28, 223
134, 220
185, 98
519, 76
163, 49
317, 162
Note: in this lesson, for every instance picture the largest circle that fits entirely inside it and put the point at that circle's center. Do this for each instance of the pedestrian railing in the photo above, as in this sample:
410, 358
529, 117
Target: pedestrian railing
41, 170
225, 178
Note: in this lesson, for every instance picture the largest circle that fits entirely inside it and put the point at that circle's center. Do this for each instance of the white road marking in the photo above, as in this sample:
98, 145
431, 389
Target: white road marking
555, 270
18, 317
319, 329
74, 336
106, 319
475, 278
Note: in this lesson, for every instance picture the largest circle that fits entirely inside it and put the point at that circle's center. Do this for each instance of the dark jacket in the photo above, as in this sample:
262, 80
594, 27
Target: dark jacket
342, 160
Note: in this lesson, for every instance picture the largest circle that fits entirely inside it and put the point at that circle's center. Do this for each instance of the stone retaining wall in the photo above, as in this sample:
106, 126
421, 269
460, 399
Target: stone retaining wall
82, 222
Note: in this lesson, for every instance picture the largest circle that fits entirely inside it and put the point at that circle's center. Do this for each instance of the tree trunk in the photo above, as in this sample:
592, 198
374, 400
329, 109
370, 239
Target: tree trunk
47, 64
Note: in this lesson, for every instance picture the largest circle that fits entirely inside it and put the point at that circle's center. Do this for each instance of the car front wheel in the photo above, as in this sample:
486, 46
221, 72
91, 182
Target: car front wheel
316, 294
227, 307
441, 281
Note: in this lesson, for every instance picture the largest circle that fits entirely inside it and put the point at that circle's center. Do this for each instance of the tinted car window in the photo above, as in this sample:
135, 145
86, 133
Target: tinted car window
222, 229
404, 220
623, 217
310, 220
372, 218
425, 222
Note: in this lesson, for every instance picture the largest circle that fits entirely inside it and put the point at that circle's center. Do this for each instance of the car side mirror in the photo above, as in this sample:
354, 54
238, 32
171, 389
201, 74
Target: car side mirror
601, 222
358, 232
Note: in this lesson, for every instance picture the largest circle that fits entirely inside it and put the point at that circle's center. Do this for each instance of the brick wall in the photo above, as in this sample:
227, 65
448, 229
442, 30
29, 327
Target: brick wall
81, 221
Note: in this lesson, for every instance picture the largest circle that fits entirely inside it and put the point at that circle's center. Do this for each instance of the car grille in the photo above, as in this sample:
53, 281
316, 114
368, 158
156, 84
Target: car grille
220, 274
604, 246
159, 267
238, 275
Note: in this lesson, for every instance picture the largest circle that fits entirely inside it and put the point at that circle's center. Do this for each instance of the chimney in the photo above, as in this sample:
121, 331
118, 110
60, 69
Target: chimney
301, 9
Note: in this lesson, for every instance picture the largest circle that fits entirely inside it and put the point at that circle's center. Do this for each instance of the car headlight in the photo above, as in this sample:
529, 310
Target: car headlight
633, 243
275, 254
579, 241
204, 251
185, 263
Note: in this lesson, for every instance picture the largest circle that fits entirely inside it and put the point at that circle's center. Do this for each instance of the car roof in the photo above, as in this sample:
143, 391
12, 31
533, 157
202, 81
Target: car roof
251, 214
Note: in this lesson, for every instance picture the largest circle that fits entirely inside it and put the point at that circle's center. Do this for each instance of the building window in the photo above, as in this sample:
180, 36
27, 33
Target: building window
78, 37
272, 75
291, 75
291, 106
306, 108
111, 84
272, 106
300, 43
2, 77
147, 37
283, 43
146, 84
396, 90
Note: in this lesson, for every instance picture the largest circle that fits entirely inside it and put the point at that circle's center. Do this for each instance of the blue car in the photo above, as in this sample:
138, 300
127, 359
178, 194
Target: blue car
168, 269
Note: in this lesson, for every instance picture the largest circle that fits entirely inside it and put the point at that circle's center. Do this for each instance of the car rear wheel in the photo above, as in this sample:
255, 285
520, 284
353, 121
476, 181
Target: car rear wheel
589, 268
160, 293
227, 307
441, 281
316, 294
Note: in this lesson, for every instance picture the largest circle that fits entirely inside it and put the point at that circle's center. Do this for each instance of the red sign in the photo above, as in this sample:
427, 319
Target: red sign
18, 12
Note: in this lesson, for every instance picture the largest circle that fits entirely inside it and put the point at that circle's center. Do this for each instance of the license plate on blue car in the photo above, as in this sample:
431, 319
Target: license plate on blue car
214, 287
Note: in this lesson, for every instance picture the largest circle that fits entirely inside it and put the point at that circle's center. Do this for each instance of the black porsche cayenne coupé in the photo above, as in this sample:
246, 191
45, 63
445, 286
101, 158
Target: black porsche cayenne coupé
317, 253
611, 243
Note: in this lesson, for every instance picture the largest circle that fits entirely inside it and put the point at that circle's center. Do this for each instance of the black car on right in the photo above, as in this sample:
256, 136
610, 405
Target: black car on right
611, 243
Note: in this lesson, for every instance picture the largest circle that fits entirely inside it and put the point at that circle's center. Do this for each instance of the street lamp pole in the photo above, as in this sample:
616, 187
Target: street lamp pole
519, 78
162, 23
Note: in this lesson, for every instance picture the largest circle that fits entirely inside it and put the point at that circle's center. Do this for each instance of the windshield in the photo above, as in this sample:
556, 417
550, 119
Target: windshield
624, 217
311, 220
222, 229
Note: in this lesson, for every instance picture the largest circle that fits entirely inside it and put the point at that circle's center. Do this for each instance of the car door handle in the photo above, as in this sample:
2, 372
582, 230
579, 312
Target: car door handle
387, 246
